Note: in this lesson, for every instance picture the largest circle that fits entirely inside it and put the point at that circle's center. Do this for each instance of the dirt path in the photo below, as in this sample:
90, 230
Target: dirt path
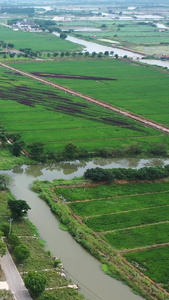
143, 248
125, 211
132, 227
127, 114
117, 196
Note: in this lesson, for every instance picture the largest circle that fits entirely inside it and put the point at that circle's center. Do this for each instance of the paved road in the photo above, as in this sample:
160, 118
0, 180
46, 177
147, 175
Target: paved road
13, 278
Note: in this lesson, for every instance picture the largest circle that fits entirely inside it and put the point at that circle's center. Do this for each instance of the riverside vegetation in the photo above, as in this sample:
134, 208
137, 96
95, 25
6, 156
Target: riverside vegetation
24, 233
122, 223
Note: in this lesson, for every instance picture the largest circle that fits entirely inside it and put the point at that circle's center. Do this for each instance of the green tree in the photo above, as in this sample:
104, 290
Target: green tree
2, 133
98, 175
16, 147
106, 53
159, 149
2, 248
35, 282
55, 54
63, 35
5, 228
37, 151
47, 296
116, 56
71, 151
100, 54
13, 240
4, 180
94, 54
19, 208
21, 252
87, 53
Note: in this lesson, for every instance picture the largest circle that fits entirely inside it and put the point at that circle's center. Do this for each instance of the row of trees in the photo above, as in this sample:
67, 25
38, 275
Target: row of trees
146, 173
34, 281
17, 10
72, 151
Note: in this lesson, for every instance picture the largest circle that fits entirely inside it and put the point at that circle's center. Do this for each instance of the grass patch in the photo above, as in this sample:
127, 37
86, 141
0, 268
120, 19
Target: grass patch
63, 227
5, 295
8, 161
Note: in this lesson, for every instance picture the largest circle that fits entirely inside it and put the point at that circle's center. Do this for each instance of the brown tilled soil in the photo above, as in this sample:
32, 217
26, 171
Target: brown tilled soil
67, 76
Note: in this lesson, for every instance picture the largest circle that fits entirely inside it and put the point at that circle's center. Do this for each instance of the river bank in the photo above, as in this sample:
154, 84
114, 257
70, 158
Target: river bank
79, 264
94, 47
40, 260
114, 263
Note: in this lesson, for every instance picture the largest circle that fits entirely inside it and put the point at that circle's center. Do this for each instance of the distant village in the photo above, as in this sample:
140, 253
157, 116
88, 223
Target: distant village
26, 26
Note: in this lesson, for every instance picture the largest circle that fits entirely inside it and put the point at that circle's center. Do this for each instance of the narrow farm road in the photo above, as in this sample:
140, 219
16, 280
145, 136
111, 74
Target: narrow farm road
13, 278
127, 114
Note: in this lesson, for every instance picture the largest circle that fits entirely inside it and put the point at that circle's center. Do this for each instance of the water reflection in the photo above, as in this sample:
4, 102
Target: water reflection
17, 170
70, 169
35, 171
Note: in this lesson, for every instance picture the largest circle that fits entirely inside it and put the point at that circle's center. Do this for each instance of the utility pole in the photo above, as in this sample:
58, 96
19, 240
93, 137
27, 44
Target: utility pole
10, 225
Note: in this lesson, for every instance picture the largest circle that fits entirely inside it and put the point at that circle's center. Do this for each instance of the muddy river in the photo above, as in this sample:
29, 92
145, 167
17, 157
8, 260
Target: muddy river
80, 266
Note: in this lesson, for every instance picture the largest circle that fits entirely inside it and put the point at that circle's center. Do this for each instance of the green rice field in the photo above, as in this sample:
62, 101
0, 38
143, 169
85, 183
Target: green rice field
132, 218
44, 114
148, 262
37, 41
139, 89
127, 215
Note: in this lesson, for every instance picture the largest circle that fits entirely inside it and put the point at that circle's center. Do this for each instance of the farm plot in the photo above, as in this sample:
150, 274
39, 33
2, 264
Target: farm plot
131, 34
127, 215
139, 89
108, 191
37, 41
139, 237
127, 219
119, 204
132, 218
42, 113
154, 263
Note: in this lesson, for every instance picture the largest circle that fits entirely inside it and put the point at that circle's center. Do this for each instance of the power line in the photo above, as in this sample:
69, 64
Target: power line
89, 291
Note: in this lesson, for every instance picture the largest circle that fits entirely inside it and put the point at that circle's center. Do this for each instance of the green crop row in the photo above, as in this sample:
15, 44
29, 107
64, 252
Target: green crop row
128, 219
139, 237
153, 263
106, 206
111, 190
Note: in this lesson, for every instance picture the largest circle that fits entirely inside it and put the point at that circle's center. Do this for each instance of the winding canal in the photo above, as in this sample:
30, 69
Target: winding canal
78, 263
